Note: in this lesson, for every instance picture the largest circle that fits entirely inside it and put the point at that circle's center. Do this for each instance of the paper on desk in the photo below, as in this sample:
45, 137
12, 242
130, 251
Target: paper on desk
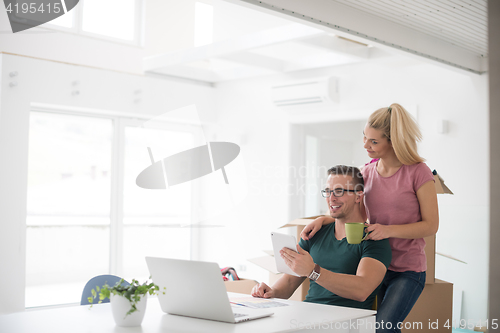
257, 303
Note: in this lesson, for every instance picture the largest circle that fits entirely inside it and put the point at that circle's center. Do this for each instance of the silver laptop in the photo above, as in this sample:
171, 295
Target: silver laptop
196, 289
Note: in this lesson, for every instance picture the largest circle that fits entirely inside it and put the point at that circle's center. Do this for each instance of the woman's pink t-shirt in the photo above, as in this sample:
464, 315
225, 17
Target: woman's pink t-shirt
393, 200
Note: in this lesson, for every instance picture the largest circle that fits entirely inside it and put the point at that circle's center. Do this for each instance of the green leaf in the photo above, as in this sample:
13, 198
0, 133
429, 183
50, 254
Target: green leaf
133, 292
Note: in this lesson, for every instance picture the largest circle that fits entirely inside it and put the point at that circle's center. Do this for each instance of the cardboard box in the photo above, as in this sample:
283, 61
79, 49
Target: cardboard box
430, 253
242, 286
439, 183
433, 309
299, 224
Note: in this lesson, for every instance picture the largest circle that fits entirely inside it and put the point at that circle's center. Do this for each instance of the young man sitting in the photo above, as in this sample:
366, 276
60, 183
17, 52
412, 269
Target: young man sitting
341, 273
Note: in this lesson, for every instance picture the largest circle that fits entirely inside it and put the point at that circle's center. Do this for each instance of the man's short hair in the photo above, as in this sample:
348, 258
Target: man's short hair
344, 170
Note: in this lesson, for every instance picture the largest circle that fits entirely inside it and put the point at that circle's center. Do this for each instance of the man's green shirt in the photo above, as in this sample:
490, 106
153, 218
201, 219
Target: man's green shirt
338, 256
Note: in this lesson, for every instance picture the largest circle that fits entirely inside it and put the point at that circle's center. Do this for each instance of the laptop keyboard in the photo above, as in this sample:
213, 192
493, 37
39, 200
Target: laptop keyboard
238, 315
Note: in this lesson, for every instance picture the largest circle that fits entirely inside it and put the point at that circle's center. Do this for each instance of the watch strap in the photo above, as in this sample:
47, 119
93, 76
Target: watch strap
316, 272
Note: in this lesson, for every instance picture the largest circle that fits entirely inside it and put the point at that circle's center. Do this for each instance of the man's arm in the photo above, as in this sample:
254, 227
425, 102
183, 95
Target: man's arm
369, 275
283, 288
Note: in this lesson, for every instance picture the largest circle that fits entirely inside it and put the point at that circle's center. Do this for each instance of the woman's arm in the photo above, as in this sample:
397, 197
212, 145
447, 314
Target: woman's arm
312, 228
427, 199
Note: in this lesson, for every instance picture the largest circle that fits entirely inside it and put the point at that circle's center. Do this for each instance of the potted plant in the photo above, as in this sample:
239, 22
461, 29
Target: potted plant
128, 302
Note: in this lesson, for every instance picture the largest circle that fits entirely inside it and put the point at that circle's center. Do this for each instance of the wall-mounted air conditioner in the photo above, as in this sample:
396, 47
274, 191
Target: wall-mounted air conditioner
308, 92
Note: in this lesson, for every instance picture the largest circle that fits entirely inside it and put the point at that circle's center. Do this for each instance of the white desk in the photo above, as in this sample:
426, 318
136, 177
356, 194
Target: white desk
296, 317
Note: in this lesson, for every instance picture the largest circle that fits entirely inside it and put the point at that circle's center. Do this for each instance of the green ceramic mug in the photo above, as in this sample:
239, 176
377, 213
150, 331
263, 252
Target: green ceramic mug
354, 232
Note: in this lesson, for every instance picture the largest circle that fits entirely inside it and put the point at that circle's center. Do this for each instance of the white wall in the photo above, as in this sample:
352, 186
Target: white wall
337, 143
48, 82
460, 156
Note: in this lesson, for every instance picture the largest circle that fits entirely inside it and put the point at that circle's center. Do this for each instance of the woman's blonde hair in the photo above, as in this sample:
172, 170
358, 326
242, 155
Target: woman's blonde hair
398, 126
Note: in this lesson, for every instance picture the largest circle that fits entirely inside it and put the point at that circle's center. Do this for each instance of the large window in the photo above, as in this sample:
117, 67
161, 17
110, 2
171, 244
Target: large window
159, 216
86, 216
68, 216
115, 20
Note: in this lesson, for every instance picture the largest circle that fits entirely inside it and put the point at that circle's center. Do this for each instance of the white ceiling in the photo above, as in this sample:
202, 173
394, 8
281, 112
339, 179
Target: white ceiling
276, 50
453, 32
462, 23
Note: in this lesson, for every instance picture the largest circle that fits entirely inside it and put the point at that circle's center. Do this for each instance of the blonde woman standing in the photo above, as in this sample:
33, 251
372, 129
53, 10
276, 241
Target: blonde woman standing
401, 205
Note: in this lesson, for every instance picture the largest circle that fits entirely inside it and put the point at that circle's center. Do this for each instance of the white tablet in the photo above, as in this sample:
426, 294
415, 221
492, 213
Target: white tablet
280, 241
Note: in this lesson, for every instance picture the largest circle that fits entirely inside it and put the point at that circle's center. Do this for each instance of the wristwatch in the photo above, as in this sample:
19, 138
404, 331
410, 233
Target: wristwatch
315, 273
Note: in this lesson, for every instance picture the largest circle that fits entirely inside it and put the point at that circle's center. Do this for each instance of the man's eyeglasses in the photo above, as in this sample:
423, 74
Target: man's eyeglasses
338, 192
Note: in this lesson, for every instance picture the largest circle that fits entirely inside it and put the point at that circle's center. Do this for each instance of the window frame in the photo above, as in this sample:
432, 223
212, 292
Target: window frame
119, 122
124, 122
76, 29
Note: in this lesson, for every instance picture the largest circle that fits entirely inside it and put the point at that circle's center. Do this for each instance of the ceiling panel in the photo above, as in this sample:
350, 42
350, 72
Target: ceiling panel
453, 32
462, 23
279, 50
450, 32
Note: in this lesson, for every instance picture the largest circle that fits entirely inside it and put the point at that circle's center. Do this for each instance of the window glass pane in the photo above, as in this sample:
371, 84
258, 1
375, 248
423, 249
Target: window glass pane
112, 18
154, 241
68, 206
69, 167
154, 220
170, 206
203, 24
60, 260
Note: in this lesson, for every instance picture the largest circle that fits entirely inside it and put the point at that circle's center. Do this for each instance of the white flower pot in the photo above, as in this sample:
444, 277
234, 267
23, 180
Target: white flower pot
120, 306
